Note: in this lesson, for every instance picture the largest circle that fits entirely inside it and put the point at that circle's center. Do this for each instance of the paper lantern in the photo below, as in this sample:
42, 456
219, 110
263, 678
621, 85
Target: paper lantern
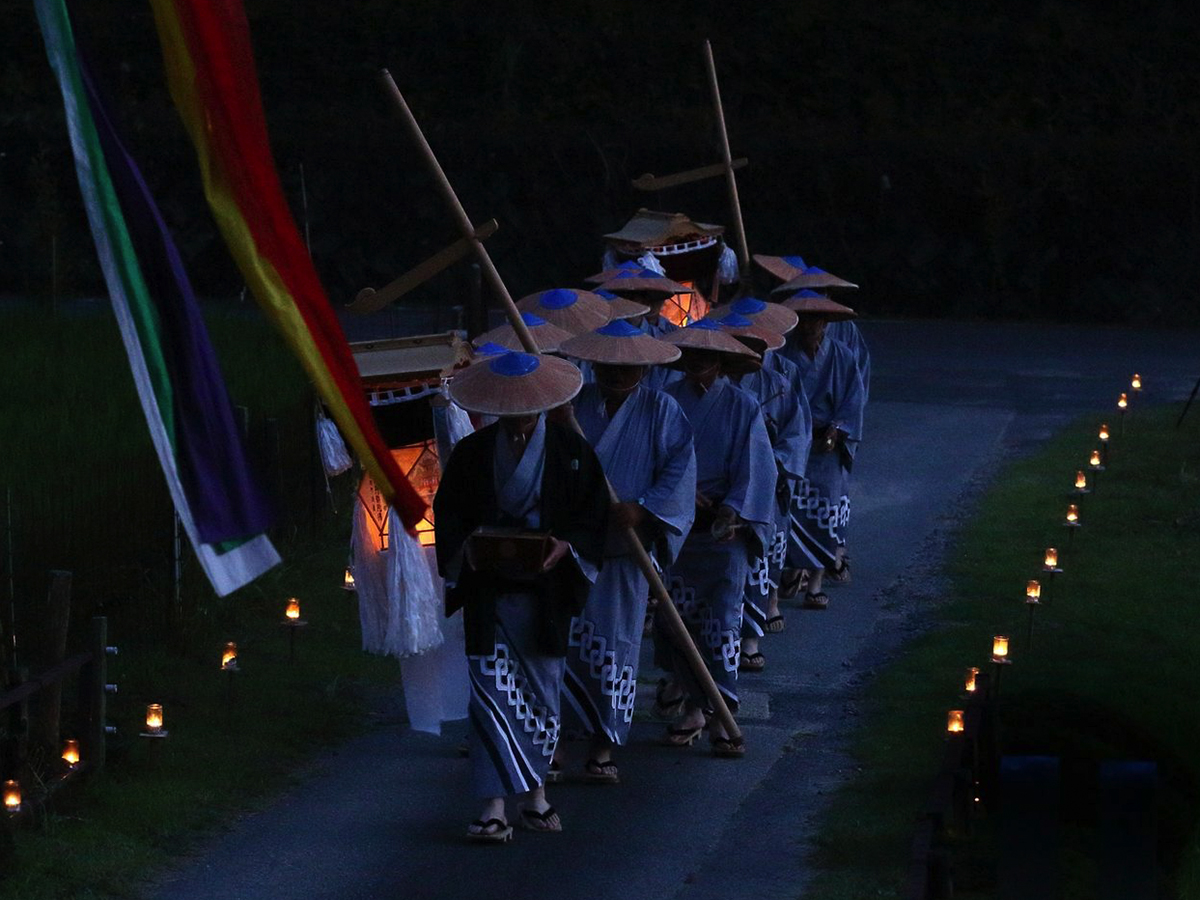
1104, 434
12, 797
684, 309
293, 610
348, 581
1033, 591
1051, 561
419, 463
1136, 383
1122, 402
1080, 481
1072, 514
1094, 459
154, 718
70, 752
954, 722
228, 659
1000, 648
969, 683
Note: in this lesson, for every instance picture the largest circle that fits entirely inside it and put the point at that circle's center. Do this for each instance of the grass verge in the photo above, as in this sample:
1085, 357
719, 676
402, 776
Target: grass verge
1107, 676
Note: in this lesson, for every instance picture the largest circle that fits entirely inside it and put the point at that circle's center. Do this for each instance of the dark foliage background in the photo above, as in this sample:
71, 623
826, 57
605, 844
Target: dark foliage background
1026, 158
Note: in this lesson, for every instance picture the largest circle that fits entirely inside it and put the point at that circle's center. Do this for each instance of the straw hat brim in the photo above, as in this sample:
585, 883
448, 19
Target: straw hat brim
777, 266
773, 339
634, 350
775, 317
664, 286
624, 308
814, 282
707, 339
587, 313
478, 389
821, 307
547, 337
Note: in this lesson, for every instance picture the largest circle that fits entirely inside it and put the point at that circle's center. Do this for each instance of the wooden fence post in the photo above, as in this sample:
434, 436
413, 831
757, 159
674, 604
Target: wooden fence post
93, 707
44, 728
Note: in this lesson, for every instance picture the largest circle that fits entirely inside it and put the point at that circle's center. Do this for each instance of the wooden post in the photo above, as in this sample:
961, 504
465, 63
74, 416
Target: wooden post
44, 729
730, 179
679, 633
94, 699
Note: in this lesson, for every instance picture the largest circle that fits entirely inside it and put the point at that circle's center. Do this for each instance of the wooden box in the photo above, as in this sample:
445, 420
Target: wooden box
508, 552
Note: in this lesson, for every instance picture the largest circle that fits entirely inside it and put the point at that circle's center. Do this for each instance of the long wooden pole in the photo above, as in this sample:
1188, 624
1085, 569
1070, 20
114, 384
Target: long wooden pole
678, 631
730, 178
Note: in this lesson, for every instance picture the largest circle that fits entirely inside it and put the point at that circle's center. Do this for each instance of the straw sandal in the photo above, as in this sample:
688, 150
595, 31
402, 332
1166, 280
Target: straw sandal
840, 574
791, 582
752, 662
664, 708
532, 820
596, 772
727, 749
501, 835
774, 625
819, 600
681, 737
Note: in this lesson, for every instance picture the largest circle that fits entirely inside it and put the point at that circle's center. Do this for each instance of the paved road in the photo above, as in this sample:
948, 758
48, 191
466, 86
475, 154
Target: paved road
385, 814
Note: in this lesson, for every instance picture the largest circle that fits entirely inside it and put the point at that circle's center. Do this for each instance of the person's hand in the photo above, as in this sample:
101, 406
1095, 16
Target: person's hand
558, 549
627, 514
702, 502
724, 525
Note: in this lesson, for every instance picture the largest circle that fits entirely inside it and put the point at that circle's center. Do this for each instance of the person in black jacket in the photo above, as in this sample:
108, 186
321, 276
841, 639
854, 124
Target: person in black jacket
522, 472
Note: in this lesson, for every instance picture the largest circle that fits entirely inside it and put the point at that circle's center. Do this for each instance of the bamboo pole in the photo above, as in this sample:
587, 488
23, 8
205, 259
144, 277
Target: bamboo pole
727, 157
679, 633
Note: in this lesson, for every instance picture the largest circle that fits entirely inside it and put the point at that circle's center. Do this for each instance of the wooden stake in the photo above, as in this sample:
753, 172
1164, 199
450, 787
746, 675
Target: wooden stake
650, 182
731, 179
679, 633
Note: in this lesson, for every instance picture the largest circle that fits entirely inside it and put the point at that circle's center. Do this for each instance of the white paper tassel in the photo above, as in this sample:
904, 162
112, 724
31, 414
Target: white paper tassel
413, 626
727, 269
649, 261
334, 456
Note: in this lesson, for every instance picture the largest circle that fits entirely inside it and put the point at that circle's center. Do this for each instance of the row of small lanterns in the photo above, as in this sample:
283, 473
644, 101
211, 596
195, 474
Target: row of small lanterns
955, 723
154, 728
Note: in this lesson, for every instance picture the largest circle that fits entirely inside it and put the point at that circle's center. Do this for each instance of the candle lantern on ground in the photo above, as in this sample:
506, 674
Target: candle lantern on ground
154, 721
971, 681
954, 722
70, 753
1050, 563
1071, 522
229, 657
688, 251
1033, 599
1081, 483
1136, 382
1096, 466
1000, 659
403, 383
292, 610
1103, 438
348, 580
1122, 405
12, 797
291, 618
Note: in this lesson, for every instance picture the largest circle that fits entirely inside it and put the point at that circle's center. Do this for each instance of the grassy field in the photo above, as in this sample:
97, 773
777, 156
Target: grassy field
88, 497
1108, 675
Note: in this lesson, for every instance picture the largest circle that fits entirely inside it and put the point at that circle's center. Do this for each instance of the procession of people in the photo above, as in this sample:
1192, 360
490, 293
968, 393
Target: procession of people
721, 437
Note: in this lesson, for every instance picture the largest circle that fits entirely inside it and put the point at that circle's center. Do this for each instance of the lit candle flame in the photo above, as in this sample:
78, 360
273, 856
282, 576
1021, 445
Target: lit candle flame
229, 655
1033, 591
293, 609
12, 797
1080, 481
70, 752
154, 718
970, 685
1122, 402
348, 580
1051, 558
1094, 459
1072, 513
954, 722
1136, 383
1104, 432
1000, 647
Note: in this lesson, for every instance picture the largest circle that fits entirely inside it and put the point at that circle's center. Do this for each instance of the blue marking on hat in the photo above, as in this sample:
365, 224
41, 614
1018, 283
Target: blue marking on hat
605, 295
628, 273
705, 325
806, 293
630, 264
491, 348
620, 329
813, 270
650, 273
558, 298
749, 306
513, 364
796, 262
733, 320
531, 320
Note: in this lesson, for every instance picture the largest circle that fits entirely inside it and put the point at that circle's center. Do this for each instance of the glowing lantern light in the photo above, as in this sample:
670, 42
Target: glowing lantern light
12, 797
1094, 461
969, 684
154, 718
954, 722
70, 752
1136, 383
1104, 433
1051, 561
419, 464
228, 658
348, 581
1072, 514
1080, 481
293, 609
1033, 591
1122, 402
1000, 649
684, 309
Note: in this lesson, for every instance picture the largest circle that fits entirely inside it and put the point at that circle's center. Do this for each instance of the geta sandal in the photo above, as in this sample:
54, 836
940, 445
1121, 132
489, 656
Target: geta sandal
752, 662
664, 708
839, 574
728, 749
555, 773
502, 833
596, 772
681, 737
774, 625
532, 820
819, 600
790, 582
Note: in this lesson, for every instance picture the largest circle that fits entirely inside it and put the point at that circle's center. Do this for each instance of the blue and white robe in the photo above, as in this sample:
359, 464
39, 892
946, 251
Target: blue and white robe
848, 332
734, 467
658, 377
646, 451
821, 509
514, 705
790, 433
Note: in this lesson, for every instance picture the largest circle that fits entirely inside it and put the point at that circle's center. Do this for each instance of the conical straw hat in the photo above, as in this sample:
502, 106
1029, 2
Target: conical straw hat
546, 336
620, 344
706, 334
621, 307
785, 268
739, 325
644, 280
771, 316
810, 303
813, 278
515, 384
609, 274
569, 309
